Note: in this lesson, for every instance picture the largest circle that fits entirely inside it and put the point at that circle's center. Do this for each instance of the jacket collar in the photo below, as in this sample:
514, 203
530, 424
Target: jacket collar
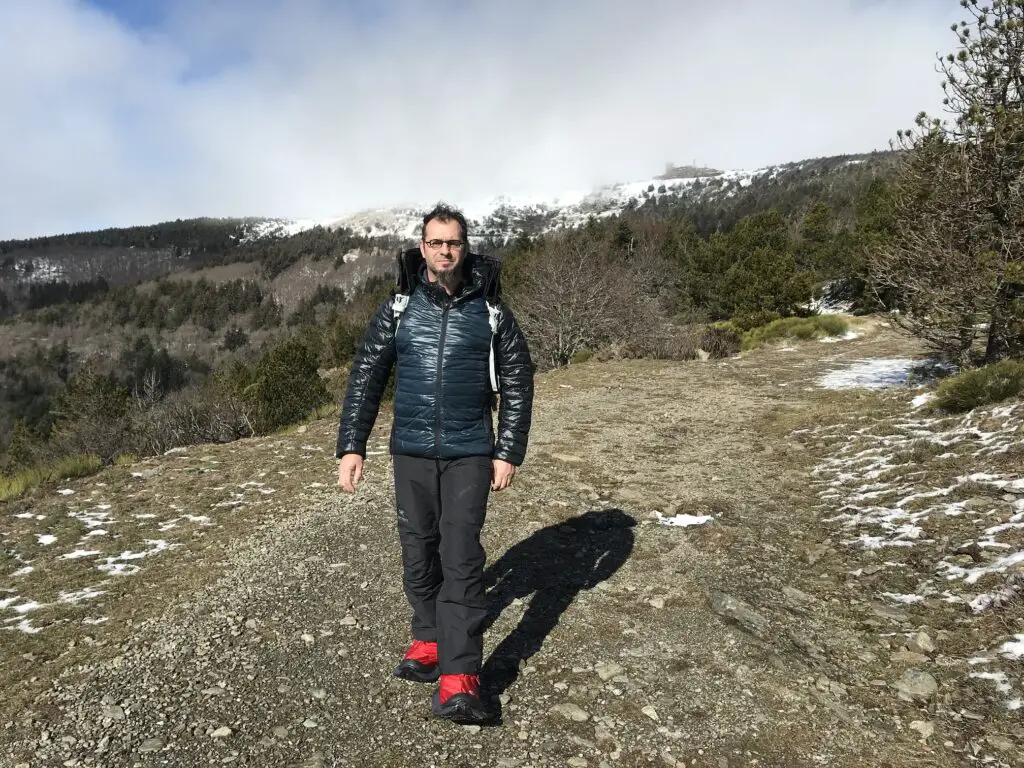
479, 274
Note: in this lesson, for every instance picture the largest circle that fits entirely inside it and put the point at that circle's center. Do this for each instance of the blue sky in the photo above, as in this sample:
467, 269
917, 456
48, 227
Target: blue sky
132, 12
122, 112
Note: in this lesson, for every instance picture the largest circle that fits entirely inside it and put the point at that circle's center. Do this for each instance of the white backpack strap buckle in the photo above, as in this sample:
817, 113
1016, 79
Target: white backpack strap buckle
400, 303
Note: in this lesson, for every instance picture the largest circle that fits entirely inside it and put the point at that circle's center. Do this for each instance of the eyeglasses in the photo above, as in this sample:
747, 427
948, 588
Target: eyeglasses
453, 244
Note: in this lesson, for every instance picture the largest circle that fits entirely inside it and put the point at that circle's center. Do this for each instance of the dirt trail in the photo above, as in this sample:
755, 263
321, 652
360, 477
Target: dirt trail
615, 640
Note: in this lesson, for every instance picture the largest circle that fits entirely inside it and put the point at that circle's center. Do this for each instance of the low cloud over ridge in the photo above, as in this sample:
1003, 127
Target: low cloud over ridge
313, 108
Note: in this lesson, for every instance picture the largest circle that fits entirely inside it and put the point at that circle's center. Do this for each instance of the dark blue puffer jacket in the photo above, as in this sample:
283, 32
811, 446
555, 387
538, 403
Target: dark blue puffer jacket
442, 403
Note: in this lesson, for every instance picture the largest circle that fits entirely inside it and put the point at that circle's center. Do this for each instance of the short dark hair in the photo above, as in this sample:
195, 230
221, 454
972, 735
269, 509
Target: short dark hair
446, 213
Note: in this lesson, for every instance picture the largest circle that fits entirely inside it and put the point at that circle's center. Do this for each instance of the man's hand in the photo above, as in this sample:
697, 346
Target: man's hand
350, 472
501, 474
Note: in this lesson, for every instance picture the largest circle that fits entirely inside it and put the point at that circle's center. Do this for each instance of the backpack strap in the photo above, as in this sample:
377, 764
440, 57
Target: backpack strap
494, 317
398, 308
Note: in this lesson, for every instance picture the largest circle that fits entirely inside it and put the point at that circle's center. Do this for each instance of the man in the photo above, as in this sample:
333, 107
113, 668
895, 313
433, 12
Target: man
436, 329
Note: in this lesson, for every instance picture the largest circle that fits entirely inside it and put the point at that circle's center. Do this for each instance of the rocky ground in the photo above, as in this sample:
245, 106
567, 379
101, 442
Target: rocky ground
226, 604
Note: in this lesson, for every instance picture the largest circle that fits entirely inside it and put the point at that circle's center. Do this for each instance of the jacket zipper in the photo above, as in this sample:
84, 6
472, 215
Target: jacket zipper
437, 395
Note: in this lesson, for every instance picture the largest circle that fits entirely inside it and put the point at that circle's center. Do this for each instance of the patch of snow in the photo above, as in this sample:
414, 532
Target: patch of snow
848, 336
907, 599
45, 539
1013, 649
922, 399
23, 571
873, 373
80, 553
89, 593
684, 521
1002, 684
65, 491
26, 626
118, 564
90, 620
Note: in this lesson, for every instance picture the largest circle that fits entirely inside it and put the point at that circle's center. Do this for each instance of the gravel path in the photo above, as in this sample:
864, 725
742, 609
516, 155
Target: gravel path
614, 640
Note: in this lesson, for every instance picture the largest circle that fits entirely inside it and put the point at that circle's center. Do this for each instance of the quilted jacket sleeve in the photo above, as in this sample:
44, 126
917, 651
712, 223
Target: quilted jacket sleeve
515, 373
366, 382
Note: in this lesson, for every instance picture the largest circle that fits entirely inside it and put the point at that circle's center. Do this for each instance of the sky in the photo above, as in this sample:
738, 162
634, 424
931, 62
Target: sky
127, 112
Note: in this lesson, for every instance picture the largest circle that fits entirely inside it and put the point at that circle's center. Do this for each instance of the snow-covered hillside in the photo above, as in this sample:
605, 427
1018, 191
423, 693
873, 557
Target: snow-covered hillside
504, 217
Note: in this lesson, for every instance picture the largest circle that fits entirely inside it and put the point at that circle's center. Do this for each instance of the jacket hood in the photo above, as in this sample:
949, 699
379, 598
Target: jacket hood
481, 274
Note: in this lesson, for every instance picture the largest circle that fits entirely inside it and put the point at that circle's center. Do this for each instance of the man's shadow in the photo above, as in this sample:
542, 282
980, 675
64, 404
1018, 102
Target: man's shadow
553, 564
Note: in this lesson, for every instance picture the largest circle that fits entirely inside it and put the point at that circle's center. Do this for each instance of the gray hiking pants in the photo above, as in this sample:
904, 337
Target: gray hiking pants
441, 508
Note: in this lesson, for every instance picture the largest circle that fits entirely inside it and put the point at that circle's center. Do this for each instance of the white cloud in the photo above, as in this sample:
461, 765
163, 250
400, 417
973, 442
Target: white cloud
304, 109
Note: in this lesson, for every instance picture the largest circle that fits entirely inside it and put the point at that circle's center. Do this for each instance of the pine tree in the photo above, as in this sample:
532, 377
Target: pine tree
956, 255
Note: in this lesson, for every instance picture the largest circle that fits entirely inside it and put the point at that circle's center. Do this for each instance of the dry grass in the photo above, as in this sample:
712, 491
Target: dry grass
70, 467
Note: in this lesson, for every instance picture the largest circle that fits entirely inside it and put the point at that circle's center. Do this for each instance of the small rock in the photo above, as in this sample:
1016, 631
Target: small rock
796, 600
113, 712
471, 728
1000, 743
883, 611
309, 723
924, 727
215, 691
504, 698
568, 458
221, 733
577, 762
280, 732
815, 553
308, 639
349, 621
978, 503
657, 602
729, 607
921, 643
915, 684
570, 712
909, 658
151, 745
606, 670
320, 694
651, 712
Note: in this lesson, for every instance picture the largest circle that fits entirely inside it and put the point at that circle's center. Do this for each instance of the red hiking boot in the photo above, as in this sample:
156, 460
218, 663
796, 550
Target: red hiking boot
419, 664
458, 699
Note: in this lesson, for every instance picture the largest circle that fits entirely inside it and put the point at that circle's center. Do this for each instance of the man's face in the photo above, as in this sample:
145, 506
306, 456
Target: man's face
444, 262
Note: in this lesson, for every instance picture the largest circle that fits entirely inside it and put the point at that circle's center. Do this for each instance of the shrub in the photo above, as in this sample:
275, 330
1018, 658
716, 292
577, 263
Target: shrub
687, 342
804, 328
581, 356
193, 416
981, 386
234, 338
287, 385
720, 340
